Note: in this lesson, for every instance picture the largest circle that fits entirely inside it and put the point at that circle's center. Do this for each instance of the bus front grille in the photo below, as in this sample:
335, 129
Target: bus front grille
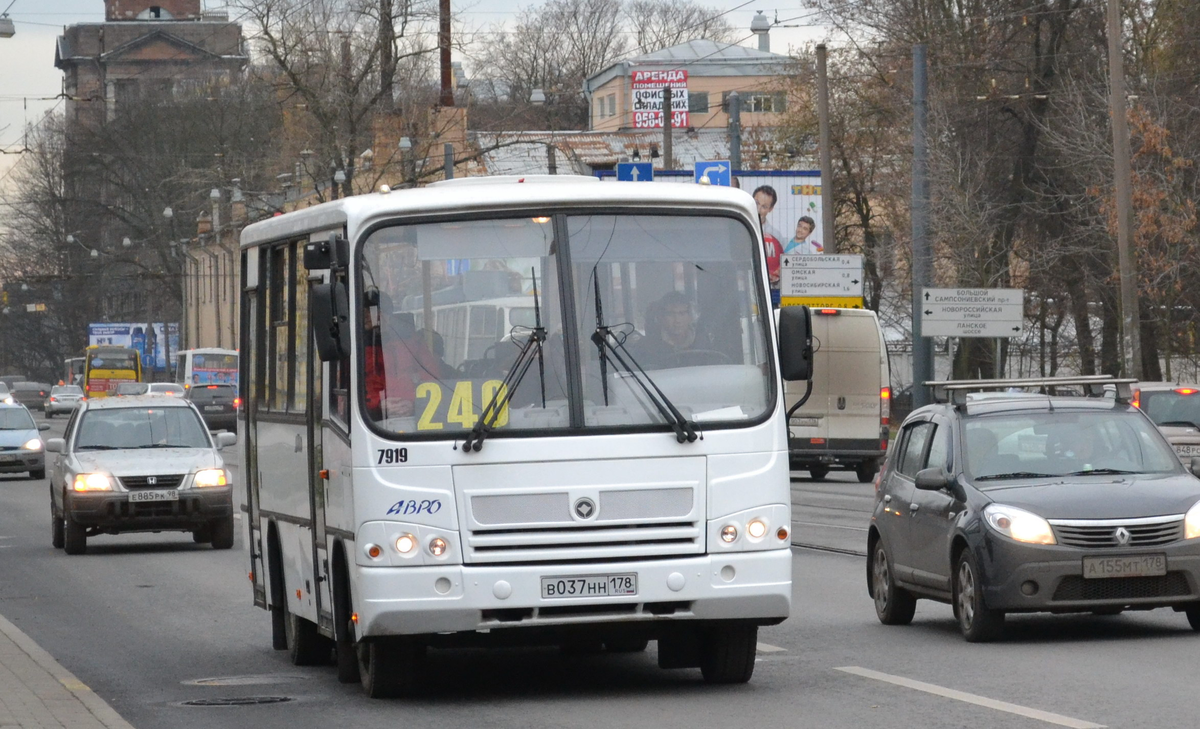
566, 544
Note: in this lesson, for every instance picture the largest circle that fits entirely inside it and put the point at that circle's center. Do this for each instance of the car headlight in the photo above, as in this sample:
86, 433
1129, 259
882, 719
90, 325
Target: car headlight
1019, 524
7, 400
92, 482
1191, 522
33, 444
211, 477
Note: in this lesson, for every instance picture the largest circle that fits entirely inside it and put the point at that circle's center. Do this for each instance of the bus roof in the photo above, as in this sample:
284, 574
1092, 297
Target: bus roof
499, 193
207, 350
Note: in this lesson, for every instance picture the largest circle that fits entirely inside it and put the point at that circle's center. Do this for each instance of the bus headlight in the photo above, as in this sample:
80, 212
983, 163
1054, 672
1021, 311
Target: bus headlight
92, 482
437, 546
406, 543
34, 444
210, 477
729, 533
757, 528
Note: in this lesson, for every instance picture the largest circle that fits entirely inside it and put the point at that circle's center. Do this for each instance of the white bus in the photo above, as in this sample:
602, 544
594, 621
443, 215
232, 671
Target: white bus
609, 468
206, 366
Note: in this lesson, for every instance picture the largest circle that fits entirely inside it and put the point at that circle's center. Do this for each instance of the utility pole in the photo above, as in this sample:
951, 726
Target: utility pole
922, 253
735, 132
1131, 354
447, 98
668, 123
448, 160
827, 211
551, 159
387, 55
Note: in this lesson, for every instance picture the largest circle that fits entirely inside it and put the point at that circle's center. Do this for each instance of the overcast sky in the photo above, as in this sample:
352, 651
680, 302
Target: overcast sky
29, 81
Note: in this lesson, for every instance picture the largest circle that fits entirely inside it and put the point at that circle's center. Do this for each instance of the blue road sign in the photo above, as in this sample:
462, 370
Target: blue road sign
635, 171
719, 172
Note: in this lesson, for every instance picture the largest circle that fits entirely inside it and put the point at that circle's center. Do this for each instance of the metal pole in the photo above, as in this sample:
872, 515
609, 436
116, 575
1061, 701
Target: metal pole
447, 96
448, 160
551, 159
827, 224
922, 253
735, 132
1130, 326
668, 123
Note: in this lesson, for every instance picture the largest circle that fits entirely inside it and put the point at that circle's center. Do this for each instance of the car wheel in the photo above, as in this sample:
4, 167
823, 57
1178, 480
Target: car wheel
49, 415
818, 473
221, 532
893, 605
866, 471
978, 623
727, 654
389, 668
58, 530
1193, 616
75, 537
626, 645
37, 475
202, 535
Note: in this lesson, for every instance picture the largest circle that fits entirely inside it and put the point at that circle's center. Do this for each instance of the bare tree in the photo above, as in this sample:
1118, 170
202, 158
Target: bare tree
658, 24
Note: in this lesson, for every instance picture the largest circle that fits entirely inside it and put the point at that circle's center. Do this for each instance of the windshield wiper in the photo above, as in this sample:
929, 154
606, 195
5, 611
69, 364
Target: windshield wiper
1100, 472
97, 448
1016, 474
503, 394
163, 445
604, 338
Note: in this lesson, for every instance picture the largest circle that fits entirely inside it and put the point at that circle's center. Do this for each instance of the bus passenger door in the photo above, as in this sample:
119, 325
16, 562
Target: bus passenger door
250, 386
318, 475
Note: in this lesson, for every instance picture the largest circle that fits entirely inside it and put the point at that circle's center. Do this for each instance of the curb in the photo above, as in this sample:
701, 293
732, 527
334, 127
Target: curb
95, 705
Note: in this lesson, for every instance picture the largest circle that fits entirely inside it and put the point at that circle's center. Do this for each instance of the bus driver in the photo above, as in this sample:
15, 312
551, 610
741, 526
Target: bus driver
396, 361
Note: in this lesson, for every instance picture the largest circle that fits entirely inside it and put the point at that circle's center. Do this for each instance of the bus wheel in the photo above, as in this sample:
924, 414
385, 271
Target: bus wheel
388, 668
306, 645
727, 654
345, 653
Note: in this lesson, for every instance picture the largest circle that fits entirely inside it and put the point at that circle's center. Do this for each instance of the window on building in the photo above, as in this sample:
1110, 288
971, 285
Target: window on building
612, 104
758, 102
698, 102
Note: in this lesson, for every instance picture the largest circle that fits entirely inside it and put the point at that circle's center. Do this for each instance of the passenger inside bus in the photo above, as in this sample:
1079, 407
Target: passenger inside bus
397, 360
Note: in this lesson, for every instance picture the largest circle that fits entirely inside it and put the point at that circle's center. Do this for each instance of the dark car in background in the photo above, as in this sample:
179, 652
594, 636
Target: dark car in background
31, 394
1017, 502
218, 405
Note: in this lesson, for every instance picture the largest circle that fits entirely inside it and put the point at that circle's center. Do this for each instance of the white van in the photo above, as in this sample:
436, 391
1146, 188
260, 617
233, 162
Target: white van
844, 423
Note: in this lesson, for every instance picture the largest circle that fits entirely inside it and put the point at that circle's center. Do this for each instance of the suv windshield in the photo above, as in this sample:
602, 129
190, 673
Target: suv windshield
143, 427
1026, 445
16, 419
451, 309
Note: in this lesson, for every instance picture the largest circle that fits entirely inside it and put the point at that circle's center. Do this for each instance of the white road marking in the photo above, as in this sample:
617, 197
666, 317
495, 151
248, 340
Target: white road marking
768, 648
1046, 716
830, 526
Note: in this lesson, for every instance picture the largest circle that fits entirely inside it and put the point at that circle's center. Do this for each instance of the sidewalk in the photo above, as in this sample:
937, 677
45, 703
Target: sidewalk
37, 693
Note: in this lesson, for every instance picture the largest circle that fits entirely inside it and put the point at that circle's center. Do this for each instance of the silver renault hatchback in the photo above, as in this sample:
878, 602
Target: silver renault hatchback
137, 464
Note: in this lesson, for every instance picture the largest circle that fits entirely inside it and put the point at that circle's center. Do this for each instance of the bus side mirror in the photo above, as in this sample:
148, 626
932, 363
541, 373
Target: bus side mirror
331, 320
795, 343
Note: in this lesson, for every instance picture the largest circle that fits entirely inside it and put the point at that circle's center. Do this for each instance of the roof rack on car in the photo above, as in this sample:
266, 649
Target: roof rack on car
955, 391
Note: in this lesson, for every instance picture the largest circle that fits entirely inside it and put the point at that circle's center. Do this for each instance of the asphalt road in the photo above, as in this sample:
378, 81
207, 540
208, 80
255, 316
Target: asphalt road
151, 621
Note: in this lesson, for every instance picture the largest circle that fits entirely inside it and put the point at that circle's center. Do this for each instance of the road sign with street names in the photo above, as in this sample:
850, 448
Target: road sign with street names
635, 171
719, 172
972, 312
823, 302
821, 276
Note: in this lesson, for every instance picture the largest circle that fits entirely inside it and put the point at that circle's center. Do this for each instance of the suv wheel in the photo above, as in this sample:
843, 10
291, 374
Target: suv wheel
893, 605
58, 530
221, 532
75, 537
979, 624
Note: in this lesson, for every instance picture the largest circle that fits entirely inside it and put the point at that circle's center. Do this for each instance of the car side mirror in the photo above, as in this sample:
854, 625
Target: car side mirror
55, 445
795, 343
932, 479
1194, 466
44, 426
226, 439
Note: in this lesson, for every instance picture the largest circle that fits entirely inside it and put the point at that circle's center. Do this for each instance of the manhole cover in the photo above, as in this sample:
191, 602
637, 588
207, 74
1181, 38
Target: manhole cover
261, 679
239, 701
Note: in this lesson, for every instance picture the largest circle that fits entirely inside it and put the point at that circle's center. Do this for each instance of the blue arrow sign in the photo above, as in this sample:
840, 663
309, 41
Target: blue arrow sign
719, 172
635, 171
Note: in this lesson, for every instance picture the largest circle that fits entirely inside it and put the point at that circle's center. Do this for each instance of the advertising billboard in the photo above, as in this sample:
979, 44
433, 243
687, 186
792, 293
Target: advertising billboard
154, 340
647, 88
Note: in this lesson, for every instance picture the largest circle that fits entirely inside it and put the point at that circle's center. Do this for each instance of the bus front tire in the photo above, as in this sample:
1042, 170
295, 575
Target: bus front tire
389, 668
727, 654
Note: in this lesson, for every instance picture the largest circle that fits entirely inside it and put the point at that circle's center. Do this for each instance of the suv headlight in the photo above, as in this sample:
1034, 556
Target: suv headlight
34, 444
211, 477
1191, 522
92, 482
1020, 525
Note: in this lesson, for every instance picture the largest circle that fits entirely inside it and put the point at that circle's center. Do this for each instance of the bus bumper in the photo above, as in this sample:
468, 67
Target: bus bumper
749, 586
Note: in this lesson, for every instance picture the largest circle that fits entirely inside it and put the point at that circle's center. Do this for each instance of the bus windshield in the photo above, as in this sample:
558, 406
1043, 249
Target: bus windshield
663, 324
